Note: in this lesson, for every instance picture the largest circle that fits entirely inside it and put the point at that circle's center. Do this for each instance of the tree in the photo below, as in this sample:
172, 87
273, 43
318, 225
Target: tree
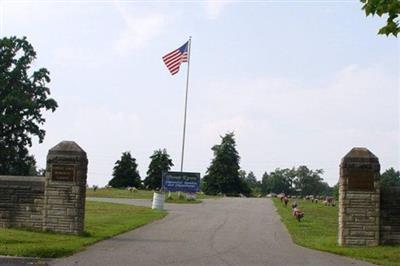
335, 191
278, 181
251, 180
390, 178
223, 174
309, 182
264, 187
160, 162
242, 174
125, 172
384, 7
253, 183
24, 96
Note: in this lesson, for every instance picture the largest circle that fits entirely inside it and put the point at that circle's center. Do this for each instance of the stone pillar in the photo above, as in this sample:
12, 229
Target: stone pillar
65, 188
359, 199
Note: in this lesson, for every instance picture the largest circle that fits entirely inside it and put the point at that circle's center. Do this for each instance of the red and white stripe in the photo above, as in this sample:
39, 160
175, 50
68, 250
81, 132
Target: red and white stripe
174, 59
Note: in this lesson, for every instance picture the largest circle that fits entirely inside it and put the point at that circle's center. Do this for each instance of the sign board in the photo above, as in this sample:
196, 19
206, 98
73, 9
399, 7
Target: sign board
181, 181
63, 172
361, 180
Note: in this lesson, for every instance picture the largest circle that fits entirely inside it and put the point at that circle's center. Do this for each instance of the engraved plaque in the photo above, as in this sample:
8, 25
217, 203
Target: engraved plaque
361, 180
63, 172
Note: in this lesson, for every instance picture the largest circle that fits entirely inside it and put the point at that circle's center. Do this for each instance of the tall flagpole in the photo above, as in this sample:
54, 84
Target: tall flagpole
186, 97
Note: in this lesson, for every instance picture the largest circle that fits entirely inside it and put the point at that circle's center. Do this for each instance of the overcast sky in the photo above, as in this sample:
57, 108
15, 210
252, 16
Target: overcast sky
299, 82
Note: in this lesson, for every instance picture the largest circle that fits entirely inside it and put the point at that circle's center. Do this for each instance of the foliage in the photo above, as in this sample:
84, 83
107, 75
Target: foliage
319, 230
253, 183
309, 182
300, 180
242, 174
251, 180
335, 191
160, 162
265, 189
125, 172
391, 8
102, 221
280, 180
390, 178
24, 96
223, 174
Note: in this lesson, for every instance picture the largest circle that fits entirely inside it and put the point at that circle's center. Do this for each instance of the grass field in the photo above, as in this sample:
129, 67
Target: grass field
102, 220
319, 230
140, 194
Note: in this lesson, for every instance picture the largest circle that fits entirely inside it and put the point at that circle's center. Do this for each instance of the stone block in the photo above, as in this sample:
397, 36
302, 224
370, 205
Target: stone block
355, 242
362, 233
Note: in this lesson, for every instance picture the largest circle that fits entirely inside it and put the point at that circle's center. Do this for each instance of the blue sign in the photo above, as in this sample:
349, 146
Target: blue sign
181, 181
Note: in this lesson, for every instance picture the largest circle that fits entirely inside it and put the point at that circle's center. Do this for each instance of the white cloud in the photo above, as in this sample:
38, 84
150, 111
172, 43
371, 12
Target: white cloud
281, 122
214, 8
138, 31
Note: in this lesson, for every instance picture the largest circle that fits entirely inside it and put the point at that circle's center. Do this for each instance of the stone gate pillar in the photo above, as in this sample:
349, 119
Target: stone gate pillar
359, 199
65, 188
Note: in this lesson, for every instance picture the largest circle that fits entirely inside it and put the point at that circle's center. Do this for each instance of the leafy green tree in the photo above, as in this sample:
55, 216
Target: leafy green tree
24, 96
390, 178
335, 191
308, 181
160, 162
125, 172
391, 8
325, 189
223, 174
278, 181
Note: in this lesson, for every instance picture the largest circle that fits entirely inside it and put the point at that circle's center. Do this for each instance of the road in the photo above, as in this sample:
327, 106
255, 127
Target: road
229, 231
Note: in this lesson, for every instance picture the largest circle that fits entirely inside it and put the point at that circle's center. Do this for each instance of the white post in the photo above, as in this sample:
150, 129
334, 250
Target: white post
186, 97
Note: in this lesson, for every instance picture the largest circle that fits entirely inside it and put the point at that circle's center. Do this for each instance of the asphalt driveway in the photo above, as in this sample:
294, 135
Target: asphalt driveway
229, 231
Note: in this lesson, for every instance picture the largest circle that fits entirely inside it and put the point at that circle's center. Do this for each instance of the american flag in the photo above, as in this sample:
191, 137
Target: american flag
174, 59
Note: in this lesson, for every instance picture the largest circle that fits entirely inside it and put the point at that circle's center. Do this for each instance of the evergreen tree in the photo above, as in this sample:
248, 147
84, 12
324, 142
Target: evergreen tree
125, 172
264, 187
390, 178
223, 174
24, 96
251, 180
160, 162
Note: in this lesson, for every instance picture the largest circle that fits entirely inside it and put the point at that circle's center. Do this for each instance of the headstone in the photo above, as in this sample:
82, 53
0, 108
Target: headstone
65, 188
359, 199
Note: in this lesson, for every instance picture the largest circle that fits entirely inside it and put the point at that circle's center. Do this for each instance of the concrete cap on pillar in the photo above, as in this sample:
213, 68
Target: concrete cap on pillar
68, 147
360, 152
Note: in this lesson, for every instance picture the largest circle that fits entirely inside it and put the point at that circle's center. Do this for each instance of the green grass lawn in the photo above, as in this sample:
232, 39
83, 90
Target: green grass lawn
140, 194
319, 230
102, 220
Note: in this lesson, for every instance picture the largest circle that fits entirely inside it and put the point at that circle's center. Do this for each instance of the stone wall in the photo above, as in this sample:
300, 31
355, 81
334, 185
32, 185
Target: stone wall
21, 201
360, 219
55, 202
390, 216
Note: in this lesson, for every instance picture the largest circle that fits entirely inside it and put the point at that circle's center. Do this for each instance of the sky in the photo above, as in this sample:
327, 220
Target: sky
298, 82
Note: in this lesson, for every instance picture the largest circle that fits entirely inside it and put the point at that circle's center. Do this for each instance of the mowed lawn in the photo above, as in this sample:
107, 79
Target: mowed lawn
319, 230
141, 194
102, 220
